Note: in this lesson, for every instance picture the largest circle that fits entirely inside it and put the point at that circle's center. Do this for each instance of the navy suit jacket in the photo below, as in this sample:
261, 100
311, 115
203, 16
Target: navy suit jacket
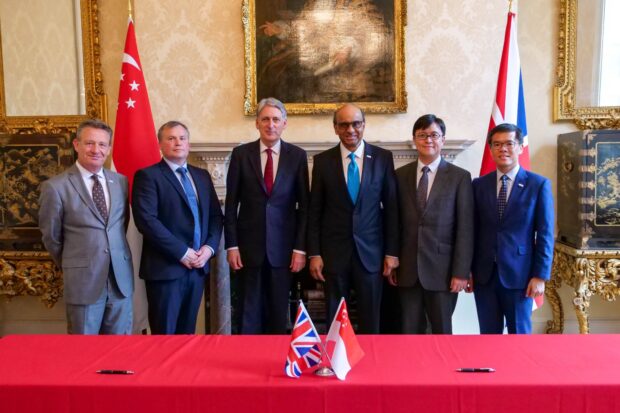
522, 242
163, 216
337, 226
262, 225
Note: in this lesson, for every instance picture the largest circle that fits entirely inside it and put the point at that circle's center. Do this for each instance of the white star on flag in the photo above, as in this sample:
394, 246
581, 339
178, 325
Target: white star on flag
130, 103
134, 85
122, 77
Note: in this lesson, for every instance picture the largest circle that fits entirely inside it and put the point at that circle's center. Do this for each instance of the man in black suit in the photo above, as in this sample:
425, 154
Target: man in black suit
176, 209
353, 219
266, 217
437, 232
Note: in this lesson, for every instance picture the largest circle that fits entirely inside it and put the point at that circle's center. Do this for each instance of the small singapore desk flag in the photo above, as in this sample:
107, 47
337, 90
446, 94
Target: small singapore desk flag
305, 350
343, 349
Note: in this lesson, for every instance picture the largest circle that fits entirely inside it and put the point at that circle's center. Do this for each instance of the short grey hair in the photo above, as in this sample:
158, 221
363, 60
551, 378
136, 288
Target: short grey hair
273, 102
168, 125
95, 124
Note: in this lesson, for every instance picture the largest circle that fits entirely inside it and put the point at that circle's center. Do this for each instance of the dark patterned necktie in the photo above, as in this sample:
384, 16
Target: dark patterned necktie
422, 191
268, 175
99, 197
501, 198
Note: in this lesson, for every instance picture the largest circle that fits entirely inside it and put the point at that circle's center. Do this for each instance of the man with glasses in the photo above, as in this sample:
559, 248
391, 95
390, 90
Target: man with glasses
265, 222
513, 237
353, 219
83, 216
436, 232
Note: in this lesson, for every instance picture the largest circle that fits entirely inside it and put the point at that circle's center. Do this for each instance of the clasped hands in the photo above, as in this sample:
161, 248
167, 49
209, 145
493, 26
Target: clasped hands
197, 259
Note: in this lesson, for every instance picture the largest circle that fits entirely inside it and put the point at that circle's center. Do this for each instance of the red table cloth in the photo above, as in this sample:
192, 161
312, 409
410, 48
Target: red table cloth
538, 373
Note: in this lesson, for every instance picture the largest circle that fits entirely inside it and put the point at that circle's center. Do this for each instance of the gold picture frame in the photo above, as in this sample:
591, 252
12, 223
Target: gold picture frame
315, 55
565, 91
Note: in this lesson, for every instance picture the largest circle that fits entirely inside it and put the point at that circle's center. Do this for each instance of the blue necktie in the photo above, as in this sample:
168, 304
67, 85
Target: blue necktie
353, 178
502, 197
193, 204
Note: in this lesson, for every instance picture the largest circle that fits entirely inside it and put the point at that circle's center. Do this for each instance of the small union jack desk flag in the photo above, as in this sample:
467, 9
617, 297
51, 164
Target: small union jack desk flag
305, 349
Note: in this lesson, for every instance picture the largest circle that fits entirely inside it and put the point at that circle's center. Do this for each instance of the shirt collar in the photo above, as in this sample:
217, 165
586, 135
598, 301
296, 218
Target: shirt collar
87, 174
432, 166
173, 165
275, 148
512, 174
359, 152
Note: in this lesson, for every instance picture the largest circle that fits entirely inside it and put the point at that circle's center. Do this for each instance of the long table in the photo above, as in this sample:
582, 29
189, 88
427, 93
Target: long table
539, 373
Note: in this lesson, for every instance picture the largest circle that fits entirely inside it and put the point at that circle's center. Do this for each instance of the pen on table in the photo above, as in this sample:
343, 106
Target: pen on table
476, 370
115, 372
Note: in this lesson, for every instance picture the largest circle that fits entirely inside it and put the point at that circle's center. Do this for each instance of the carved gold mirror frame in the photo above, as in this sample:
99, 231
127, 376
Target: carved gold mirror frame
564, 92
318, 63
93, 86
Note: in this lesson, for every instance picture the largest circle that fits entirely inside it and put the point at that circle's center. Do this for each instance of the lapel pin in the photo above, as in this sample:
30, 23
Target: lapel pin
521, 185
369, 157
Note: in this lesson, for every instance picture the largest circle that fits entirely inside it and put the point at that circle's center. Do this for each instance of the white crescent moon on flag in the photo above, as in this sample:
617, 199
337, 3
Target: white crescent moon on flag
130, 60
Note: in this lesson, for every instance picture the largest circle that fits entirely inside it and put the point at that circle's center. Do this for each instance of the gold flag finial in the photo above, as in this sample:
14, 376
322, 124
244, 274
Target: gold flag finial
129, 6
509, 6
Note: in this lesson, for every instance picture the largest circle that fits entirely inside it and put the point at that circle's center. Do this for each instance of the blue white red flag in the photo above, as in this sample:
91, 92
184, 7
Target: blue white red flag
305, 348
509, 105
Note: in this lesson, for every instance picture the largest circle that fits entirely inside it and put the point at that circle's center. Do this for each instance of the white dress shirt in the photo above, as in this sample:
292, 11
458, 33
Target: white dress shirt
86, 177
432, 173
359, 160
512, 175
275, 157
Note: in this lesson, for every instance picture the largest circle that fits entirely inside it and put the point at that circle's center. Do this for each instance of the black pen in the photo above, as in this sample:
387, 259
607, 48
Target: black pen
476, 370
114, 372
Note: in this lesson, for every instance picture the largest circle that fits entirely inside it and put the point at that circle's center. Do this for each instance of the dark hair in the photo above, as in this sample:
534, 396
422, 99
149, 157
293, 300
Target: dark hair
168, 125
93, 123
506, 127
349, 104
426, 121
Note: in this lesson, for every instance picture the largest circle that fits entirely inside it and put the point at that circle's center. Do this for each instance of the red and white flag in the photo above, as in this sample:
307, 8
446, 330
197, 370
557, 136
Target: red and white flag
135, 147
509, 104
341, 345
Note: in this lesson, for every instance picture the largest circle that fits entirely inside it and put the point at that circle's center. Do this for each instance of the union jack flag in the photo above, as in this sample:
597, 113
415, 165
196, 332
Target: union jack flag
305, 348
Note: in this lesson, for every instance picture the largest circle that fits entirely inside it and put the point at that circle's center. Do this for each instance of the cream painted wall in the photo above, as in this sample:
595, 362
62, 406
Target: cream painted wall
192, 57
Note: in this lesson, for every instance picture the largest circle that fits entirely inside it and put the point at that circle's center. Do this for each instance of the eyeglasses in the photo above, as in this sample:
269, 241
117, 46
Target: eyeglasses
500, 145
345, 125
424, 136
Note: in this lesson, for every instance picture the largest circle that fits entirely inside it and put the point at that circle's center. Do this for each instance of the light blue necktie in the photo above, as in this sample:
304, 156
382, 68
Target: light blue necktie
353, 178
193, 204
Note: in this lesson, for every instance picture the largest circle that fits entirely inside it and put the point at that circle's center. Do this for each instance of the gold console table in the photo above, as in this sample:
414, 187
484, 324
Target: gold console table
589, 272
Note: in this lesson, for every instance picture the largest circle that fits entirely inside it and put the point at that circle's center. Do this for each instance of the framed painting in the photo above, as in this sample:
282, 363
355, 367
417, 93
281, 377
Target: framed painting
315, 55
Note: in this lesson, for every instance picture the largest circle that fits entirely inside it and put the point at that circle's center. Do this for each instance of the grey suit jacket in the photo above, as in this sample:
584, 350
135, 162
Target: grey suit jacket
436, 244
78, 239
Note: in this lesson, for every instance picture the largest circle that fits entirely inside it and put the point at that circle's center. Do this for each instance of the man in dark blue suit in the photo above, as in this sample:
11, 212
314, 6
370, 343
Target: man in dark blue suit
266, 217
513, 237
176, 209
353, 219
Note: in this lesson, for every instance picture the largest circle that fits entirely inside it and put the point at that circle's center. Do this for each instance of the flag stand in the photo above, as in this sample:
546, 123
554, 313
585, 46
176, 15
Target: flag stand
324, 372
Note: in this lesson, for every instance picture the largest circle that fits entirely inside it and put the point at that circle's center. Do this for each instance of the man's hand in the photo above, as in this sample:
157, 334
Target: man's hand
189, 258
535, 288
298, 262
458, 284
204, 253
316, 268
234, 259
389, 264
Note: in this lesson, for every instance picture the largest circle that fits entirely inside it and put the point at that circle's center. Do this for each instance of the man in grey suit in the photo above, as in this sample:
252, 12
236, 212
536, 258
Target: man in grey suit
437, 232
83, 217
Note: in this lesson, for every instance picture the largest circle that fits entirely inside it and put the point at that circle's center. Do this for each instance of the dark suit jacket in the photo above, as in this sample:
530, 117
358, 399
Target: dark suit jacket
337, 227
437, 244
80, 241
522, 243
163, 216
262, 225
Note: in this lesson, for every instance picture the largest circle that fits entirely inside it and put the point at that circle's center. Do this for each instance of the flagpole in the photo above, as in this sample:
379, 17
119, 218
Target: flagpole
130, 12
509, 6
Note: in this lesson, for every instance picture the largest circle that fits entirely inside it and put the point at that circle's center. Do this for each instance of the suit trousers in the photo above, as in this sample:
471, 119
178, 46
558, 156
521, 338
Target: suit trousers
368, 291
112, 313
418, 304
174, 304
494, 302
265, 299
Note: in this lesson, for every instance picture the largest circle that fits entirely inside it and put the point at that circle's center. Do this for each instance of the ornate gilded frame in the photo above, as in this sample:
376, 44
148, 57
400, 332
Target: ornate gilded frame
93, 79
564, 92
399, 104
